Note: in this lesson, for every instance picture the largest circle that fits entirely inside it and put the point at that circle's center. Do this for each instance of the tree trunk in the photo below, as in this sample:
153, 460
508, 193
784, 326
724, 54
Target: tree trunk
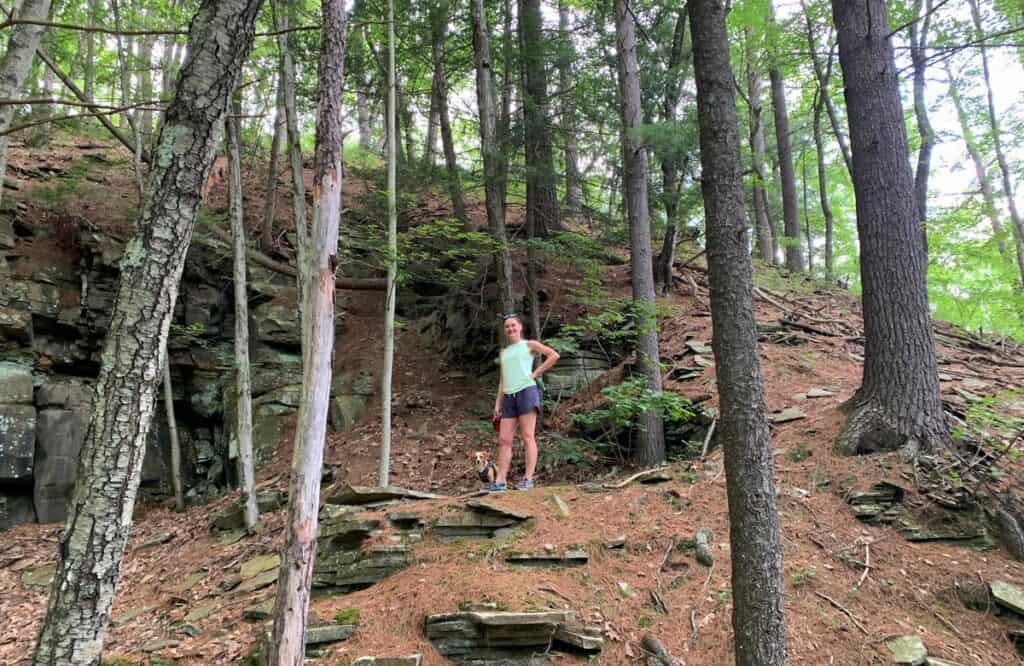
493, 159
790, 214
391, 295
172, 429
41, 133
294, 145
826, 208
997, 143
270, 204
430, 143
439, 33
898, 402
89, 75
363, 115
125, 74
15, 66
541, 193
294, 580
762, 221
919, 57
565, 86
671, 178
980, 170
243, 387
100, 510
807, 218
650, 448
758, 620
824, 76
146, 45
508, 78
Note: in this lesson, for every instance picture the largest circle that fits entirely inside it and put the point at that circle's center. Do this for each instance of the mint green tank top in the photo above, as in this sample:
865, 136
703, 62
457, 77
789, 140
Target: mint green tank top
516, 368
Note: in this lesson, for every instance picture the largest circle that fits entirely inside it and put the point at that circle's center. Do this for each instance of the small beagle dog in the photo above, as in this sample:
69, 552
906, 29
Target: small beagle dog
485, 469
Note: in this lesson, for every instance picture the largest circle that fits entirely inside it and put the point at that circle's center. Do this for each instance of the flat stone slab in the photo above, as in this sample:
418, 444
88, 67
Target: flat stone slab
579, 638
158, 644
351, 570
570, 558
563, 508
787, 415
477, 637
156, 540
408, 660
39, 577
200, 613
492, 507
1008, 596
258, 565
189, 582
329, 633
699, 347
360, 495
819, 393
259, 582
130, 614
259, 612
349, 531
907, 650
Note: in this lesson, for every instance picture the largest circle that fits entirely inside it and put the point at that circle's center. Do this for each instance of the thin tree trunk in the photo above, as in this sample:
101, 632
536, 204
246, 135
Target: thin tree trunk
146, 45
363, 116
671, 178
762, 220
172, 429
541, 193
494, 168
790, 214
826, 208
123, 52
898, 403
243, 387
650, 448
824, 76
280, 131
430, 144
807, 217
287, 646
294, 146
507, 88
89, 75
100, 510
565, 85
980, 170
919, 57
41, 133
997, 143
439, 33
391, 295
15, 66
758, 620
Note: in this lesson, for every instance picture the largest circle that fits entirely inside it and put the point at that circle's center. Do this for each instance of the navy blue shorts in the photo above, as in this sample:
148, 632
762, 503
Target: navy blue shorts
522, 402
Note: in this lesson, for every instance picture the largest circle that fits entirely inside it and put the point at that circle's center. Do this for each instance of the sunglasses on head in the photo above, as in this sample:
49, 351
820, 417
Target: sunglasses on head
509, 315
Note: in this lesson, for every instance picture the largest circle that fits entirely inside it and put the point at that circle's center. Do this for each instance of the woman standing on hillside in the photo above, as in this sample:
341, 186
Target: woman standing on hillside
518, 400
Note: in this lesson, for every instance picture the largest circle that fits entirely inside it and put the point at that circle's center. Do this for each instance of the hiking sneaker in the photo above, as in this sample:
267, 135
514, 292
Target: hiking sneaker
525, 484
494, 488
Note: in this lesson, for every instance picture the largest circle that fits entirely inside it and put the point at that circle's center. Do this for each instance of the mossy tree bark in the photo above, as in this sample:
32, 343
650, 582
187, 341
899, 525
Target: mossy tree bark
100, 510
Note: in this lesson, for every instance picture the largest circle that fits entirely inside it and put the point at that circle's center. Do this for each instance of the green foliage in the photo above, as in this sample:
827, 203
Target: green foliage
803, 577
347, 616
798, 453
626, 401
560, 450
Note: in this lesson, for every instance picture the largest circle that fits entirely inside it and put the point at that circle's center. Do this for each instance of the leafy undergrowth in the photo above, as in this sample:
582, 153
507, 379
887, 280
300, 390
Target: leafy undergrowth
849, 586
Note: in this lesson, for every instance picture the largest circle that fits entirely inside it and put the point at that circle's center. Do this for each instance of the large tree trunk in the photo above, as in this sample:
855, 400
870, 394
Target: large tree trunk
650, 447
15, 65
758, 621
294, 580
671, 176
762, 219
898, 402
988, 198
566, 84
243, 387
541, 193
826, 208
494, 168
270, 203
997, 143
100, 510
919, 57
790, 213
439, 32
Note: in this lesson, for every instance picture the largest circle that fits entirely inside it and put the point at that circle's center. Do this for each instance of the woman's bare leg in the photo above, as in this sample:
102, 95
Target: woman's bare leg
505, 436
527, 424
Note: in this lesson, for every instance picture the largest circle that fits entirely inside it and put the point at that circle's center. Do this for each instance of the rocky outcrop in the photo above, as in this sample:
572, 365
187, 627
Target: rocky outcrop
63, 415
494, 637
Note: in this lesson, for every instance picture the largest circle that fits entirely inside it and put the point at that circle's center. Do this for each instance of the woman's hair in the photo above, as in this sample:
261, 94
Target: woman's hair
512, 315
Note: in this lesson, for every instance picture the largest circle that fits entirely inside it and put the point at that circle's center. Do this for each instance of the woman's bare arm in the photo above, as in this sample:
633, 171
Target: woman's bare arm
550, 357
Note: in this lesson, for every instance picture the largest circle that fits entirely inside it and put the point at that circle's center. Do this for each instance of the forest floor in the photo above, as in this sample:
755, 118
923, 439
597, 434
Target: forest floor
849, 586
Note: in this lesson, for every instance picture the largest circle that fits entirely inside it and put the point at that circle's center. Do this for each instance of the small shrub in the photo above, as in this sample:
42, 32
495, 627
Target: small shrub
347, 616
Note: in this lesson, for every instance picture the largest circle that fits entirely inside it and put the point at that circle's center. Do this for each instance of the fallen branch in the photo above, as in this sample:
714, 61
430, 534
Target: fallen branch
867, 565
707, 439
355, 284
654, 648
630, 479
806, 327
691, 642
844, 610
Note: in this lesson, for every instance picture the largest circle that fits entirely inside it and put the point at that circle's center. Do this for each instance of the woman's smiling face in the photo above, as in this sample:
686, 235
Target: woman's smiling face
513, 329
